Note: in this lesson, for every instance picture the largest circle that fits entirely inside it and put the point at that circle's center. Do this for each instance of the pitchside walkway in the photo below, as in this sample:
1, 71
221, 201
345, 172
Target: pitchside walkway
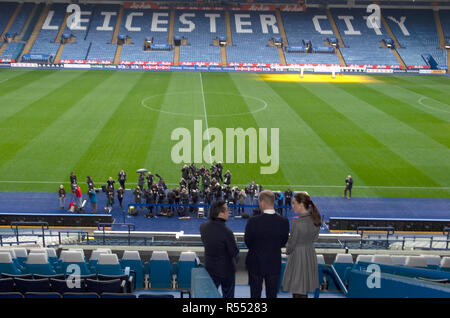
357, 207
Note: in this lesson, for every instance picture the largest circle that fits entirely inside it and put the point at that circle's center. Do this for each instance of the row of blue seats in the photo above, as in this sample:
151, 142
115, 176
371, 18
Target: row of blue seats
103, 262
53, 295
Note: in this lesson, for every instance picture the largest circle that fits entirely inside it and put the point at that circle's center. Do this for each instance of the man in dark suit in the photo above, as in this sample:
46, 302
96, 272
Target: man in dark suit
348, 187
265, 235
221, 251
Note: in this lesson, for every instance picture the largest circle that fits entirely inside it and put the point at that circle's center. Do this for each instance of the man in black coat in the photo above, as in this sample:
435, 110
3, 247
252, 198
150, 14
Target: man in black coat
221, 251
265, 235
348, 187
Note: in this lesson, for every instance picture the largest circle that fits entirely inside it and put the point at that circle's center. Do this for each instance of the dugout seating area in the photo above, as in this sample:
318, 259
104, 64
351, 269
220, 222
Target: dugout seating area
94, 38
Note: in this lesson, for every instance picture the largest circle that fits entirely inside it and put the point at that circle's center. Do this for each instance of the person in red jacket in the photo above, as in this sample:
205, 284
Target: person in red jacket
79, 196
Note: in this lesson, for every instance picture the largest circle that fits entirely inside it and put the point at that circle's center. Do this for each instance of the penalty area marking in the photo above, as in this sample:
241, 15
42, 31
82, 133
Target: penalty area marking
261, 108
266, 185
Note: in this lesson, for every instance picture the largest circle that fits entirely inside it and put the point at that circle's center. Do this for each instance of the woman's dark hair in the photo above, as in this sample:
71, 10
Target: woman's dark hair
303, 197
216, 208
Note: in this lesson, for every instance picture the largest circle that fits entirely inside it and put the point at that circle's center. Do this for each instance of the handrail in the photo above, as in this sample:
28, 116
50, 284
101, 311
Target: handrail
130, 226
388, 229
23, 223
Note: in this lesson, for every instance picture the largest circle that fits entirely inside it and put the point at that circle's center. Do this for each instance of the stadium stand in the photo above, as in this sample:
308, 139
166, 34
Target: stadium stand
353, 29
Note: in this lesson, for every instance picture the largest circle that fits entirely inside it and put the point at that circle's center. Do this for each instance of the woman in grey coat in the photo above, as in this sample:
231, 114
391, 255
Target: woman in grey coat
301, 274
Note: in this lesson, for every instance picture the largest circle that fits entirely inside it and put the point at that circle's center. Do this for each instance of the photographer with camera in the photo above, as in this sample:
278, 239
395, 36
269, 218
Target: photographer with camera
137, 199
171, 198
252, 188
219, 168
120, 194
109, 198
122, 177
184, 197
227, 179
91, 194
149, 199
149, 178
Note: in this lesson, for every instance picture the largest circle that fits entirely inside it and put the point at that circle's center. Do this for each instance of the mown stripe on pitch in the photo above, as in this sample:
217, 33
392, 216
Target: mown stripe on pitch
405, 82
124, 140
374, 162
18, 99
28, 123
239, 102
311, 159
58, 148
22, 80
371, 115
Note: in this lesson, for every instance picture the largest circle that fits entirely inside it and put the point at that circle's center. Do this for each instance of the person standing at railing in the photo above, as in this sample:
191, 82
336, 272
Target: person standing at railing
301, 274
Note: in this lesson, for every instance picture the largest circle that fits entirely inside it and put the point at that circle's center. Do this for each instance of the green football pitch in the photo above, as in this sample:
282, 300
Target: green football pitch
391, 133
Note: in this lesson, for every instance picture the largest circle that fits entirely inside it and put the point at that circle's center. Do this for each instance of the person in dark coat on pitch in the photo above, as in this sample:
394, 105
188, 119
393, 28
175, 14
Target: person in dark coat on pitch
265, 235
221, 251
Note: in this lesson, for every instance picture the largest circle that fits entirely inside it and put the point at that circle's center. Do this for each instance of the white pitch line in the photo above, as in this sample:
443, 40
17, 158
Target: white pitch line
206, 120
3, 80
265, 185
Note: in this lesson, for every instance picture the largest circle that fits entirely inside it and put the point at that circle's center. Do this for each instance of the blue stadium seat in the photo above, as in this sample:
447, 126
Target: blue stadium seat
23, 276
342, 262
21, 255
81, 295
57, 276
397, 260
32, 285
50, 295
186, 262
6, 285
11, 295
73, 258
117, 295
433, 261
416, 261
7, 265
133, 260
38, 264
160, 270
14, 258
106, 286
61, 286
93, 260
445, 264
381, 259
155, 296
108, 264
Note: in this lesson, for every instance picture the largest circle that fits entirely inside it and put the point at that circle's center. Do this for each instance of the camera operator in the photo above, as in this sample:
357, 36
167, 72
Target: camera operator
90, 183
122, 177
252, 191
227, 179
73, 182
207, 198
183, 184
171, 198
177, 196
235, 197
109, 198
161, 183
184, 200
110, 183
161, 200
185, 172
137, 197
149, 199
141, 180
194, 198
219, 171
193, 185
214, 173
149, 178
227, 195
120, 194
217, 191
288, 199
206, 180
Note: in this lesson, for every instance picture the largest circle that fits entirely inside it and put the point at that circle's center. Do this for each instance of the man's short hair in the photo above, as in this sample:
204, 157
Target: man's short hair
267, 196
216, 208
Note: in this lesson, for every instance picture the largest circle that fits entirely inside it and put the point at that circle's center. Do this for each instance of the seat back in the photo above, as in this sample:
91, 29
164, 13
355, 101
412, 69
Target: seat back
103, 286
364, 258
37, 263
108, 264
93, 260
42, 295
320, 259
399, 260
32, 285
6, 285
63, 286
21, 254
416, 261
433, 261
74, 258
160, 270
81, 295
342, 263
381, 259
445, 264
7, 265
132, 259
117, 295
12, 252
186, 262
